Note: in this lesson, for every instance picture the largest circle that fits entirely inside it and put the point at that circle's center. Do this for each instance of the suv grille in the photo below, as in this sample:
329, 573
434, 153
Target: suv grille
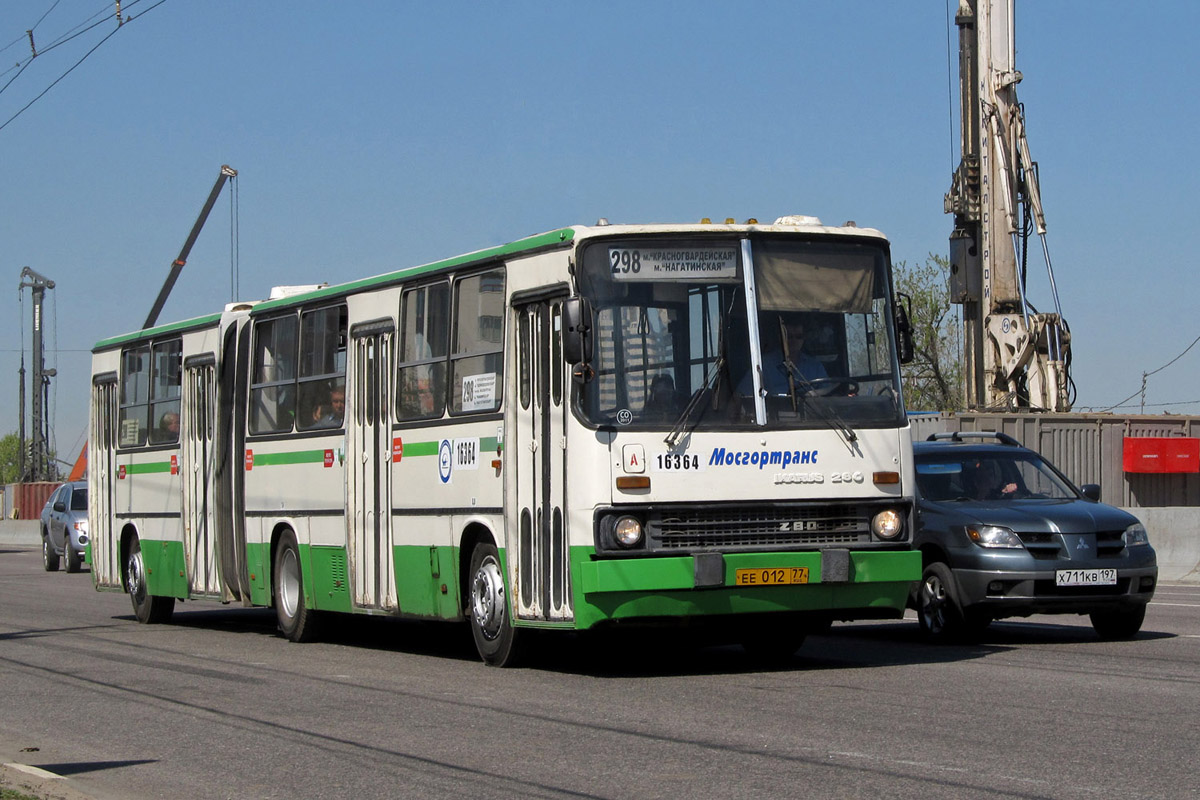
1049, 546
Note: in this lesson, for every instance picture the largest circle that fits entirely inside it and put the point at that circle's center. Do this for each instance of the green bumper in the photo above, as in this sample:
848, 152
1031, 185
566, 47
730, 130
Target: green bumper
873, 584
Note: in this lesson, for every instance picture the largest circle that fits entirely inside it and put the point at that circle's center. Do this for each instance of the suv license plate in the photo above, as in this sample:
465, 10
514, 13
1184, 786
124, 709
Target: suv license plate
1085, 577
770, 576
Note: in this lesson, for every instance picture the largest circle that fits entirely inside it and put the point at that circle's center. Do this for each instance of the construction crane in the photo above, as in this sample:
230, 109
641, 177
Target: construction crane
1015, 357
180, 261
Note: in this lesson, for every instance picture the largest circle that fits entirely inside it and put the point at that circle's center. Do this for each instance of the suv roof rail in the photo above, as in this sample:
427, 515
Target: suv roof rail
958, 436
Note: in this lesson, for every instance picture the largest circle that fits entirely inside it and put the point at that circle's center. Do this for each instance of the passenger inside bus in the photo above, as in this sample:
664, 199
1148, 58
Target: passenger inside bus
322, 407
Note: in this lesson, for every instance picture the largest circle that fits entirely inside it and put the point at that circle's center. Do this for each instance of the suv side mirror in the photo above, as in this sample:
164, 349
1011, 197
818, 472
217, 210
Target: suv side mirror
578, 335
904, 339
1091, 491
60, 506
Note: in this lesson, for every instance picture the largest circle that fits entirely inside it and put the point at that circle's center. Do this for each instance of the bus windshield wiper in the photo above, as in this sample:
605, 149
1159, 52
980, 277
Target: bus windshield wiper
826, 415
678, 429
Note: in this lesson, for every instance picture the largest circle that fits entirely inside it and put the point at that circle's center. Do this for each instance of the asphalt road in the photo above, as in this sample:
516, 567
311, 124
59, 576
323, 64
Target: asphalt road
215, 705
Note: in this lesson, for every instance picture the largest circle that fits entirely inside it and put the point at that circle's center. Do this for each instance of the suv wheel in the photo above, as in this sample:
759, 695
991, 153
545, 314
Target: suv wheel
938, 609
1122, 624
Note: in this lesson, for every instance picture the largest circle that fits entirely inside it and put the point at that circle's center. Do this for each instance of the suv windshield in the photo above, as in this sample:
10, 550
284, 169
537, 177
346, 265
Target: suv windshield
956, 475
675, 330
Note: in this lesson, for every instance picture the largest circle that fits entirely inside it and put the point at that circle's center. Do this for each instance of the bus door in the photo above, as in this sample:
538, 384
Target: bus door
539, 564
368, 462
197, 450
102, 472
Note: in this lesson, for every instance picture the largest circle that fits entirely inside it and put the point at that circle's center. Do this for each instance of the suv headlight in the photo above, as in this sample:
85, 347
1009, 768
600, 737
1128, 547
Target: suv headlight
993, 536
1135, 535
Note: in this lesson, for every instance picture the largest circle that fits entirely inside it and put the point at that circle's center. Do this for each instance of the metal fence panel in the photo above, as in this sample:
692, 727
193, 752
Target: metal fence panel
1087, 448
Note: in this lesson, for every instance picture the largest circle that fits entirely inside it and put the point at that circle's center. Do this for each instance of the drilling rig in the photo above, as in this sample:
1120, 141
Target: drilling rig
40, 464
1015, 357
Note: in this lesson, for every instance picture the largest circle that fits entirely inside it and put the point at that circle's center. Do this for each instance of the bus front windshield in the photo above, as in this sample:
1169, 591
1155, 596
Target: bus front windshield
684, 334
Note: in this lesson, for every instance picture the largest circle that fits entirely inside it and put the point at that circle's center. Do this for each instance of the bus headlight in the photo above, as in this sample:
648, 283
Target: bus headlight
887, 524
628, 532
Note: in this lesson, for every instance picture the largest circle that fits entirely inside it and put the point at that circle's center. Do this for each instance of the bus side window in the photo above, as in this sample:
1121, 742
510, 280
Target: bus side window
273, 387
135, 397
477, 360
166, 381
322, 381
421, 368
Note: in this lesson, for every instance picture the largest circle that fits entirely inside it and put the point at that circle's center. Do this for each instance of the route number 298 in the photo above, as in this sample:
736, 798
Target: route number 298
625, 262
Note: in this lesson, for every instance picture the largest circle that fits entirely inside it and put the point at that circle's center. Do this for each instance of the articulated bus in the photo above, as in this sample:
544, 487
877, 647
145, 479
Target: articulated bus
602, 425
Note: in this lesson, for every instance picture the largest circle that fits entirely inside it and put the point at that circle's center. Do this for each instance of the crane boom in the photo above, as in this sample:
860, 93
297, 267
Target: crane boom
1014, 356
180, 261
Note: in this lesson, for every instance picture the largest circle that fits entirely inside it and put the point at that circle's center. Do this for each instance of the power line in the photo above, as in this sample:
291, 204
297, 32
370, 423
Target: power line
1145, 375
120, 24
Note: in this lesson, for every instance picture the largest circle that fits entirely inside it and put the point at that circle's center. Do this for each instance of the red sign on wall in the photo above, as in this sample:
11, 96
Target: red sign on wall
1161, 454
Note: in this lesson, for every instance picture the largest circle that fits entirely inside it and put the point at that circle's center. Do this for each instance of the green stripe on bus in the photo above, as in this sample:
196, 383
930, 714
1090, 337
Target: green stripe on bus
294, 457
487, 444
558, 238
148, 469
413, 449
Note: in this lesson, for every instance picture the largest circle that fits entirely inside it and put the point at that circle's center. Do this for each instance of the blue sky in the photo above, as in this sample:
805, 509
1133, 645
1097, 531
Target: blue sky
375, 135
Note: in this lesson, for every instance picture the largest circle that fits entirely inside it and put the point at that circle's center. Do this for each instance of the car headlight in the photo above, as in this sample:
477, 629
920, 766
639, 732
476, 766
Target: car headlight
993, 536
887, 524
1135, 535
627, 532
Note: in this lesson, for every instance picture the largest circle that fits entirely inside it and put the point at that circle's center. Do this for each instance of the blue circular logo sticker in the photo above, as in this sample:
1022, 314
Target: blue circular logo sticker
445, 460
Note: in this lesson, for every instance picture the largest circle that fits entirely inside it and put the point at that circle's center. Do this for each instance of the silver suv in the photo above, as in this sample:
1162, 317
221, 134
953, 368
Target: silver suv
65, 526
1005, 534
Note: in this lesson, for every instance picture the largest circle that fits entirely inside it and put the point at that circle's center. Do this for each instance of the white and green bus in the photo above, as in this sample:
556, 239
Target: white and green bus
597, 425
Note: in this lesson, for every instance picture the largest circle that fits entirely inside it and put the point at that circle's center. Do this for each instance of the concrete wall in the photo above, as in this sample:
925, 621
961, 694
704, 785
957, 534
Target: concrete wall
1175, 535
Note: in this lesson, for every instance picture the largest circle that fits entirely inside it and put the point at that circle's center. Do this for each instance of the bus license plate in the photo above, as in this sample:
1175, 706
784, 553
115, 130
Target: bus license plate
1085, 577
770, 576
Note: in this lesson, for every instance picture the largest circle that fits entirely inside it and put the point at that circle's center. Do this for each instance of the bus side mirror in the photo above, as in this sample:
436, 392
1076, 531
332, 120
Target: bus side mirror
904, 339
578, 336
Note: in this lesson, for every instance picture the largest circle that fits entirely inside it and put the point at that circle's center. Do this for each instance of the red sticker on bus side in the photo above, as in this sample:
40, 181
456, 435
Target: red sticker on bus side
249, 460
328, 459
397, 450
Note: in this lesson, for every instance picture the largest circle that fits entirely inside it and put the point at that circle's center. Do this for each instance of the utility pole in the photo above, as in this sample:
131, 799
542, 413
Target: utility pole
39, 457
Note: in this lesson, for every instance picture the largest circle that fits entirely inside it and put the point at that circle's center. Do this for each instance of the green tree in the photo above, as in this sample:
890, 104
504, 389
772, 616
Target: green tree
933, 380
10, 454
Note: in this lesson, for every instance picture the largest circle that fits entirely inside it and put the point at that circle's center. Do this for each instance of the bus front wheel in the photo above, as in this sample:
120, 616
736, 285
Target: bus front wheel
148, 608
495, 637
297, 622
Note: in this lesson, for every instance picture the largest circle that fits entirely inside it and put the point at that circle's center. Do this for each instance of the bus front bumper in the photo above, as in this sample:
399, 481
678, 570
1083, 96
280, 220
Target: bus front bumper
840, 584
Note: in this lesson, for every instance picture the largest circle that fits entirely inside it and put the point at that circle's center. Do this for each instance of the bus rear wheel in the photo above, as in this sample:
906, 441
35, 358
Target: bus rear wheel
148, 608
297, 622
495, 637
